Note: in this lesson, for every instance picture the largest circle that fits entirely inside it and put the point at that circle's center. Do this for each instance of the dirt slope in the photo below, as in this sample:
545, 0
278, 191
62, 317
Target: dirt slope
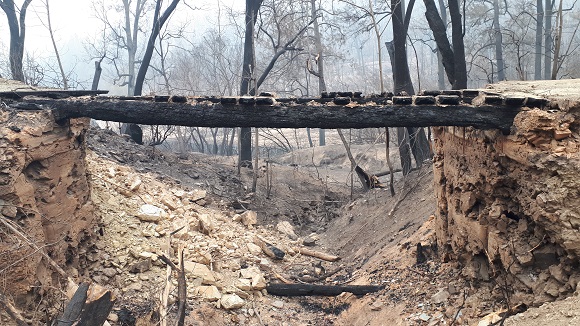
361, 232
381, 239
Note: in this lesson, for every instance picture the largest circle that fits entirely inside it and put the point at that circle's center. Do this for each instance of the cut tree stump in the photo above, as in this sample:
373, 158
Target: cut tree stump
295, 289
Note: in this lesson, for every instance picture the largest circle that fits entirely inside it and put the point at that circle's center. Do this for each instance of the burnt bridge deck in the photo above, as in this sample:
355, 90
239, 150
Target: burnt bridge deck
478, 108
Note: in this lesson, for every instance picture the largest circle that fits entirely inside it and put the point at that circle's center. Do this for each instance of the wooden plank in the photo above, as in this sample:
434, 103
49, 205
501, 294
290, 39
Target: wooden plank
280, 115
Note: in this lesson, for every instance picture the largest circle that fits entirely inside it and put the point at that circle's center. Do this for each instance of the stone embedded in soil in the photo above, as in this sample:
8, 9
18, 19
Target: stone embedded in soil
377, 305
258, 282
254, 249
150, 213
558, 273
113, 317
231, 301
244, 284
140, 266
135, 184
250, 272
424, 317
286, 228
552, 288
310, 241
206, 224
169, 202
278, 304
8, 210
198, 270
440, 297
197, 195
109, 272
209, 293
249, 218
562, 134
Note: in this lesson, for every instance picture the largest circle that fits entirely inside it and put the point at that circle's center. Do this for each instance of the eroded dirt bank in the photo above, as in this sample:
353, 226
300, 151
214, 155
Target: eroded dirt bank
44, 193
508, 207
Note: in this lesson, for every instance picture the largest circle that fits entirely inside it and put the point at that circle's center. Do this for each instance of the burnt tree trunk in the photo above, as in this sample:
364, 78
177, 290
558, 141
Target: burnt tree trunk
17, 27
460, 81
157, 24
248, 75
538, 40
412, 137
439, 29
293, 115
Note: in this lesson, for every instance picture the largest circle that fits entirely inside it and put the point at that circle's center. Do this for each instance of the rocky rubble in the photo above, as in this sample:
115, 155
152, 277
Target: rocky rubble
225, 265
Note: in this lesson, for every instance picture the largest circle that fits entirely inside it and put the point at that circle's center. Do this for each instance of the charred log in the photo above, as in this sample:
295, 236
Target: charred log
287, 115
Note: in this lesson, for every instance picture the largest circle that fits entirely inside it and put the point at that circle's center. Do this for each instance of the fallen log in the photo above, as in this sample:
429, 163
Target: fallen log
296, 289
316, 254
199, 113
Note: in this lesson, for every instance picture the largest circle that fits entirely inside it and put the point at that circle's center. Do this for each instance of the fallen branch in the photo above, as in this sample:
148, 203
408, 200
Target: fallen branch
12, 311
10, 225
316, 254
181, 291
164, 296
281, 278
370, 181
538, 245
167, 261
290, 290
269, 249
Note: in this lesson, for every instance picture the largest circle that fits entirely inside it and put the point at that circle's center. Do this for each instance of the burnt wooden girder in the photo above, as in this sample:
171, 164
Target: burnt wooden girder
456, 108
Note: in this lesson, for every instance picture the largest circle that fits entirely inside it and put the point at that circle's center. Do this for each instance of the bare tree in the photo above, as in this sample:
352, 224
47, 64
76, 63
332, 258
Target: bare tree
538, 43
498, 42
48, 25
17, 26
549, 5
158, 22
453, 57
122, 35
248, 76
319, 61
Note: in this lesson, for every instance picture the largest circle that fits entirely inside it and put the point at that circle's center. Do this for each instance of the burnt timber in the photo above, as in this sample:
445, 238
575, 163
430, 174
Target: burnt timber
457, 108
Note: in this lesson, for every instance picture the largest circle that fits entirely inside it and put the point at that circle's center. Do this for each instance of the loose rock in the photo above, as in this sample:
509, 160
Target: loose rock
150, 213
287, 228
249, 218
231, 301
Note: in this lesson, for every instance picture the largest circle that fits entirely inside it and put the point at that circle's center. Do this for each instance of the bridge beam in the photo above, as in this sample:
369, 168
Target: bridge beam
233, 112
